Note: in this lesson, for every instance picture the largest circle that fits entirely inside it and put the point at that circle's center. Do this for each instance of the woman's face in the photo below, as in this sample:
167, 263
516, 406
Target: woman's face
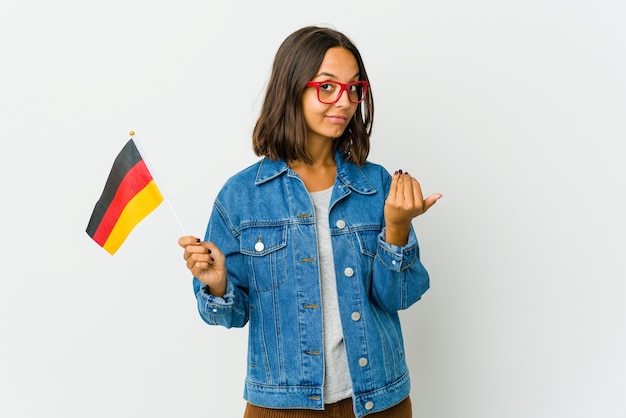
328, 121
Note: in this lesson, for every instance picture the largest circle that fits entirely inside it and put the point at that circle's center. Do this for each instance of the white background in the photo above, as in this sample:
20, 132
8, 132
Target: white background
514, 110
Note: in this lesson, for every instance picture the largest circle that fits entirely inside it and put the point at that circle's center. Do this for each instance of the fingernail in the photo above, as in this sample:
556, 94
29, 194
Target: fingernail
209, 251
400, 171
395, 172
212, 259
197, 240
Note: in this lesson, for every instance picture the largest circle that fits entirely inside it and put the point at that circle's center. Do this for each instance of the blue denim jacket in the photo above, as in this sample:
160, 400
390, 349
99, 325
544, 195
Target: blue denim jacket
264, 221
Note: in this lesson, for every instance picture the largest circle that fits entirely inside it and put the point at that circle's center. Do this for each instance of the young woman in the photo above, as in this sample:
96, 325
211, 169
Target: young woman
313, 246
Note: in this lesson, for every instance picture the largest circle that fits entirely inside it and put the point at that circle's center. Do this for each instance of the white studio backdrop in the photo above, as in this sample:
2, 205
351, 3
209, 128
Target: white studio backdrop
514, 110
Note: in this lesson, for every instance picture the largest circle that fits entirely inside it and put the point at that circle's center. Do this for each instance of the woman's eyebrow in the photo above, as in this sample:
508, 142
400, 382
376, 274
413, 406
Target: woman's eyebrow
323, 73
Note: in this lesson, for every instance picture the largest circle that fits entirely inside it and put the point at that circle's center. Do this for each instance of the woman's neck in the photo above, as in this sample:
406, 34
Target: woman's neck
319, 175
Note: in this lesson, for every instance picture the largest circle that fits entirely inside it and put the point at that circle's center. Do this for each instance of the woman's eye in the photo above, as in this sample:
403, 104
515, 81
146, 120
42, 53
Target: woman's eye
327, 87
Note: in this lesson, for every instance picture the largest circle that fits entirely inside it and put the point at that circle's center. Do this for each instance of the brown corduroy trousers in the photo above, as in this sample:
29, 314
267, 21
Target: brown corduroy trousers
342, 409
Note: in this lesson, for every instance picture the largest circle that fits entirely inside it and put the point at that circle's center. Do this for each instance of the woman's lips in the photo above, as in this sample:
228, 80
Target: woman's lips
337, 118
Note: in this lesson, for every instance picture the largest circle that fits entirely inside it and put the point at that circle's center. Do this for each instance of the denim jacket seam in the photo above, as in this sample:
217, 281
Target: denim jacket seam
224, 215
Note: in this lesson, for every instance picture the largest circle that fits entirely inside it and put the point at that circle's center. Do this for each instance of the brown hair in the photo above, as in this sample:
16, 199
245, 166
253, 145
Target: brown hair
280, 131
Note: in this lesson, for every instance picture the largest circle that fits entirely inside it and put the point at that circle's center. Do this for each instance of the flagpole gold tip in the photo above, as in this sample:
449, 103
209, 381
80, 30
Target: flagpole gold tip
132, 133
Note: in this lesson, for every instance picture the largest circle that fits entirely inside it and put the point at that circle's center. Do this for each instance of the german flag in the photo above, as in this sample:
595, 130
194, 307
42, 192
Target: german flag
129, 195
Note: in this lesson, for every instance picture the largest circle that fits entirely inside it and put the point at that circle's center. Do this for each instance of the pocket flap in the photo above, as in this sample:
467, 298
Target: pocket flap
262, 240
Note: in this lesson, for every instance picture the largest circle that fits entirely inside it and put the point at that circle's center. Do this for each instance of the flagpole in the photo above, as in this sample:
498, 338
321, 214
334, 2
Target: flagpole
154, 176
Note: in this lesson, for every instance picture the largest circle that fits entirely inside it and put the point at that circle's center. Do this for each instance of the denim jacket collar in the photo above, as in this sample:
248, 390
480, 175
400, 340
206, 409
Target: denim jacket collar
348, 173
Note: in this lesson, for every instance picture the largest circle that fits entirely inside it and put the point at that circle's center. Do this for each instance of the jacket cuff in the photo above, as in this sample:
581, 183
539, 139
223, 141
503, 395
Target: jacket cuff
395, 257
215, 305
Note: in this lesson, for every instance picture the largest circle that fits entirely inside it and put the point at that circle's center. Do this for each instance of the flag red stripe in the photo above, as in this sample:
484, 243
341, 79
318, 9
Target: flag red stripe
133, 182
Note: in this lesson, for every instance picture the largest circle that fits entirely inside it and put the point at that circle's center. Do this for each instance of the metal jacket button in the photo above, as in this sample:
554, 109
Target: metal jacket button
349, 272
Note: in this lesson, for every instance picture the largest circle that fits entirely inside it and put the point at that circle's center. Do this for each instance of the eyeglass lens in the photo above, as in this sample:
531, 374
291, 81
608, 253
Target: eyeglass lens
329, 91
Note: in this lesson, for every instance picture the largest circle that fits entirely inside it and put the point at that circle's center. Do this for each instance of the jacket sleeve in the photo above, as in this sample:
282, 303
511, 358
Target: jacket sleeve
399, 278
231, 310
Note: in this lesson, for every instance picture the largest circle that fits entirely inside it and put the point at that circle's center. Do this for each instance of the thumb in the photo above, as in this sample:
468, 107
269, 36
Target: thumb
431, 200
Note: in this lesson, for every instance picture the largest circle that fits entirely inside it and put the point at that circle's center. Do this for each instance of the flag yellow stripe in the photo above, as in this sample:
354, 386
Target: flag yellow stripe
137, 208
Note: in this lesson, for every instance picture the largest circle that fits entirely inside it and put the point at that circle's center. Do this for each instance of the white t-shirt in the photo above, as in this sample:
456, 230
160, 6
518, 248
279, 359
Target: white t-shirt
337, 383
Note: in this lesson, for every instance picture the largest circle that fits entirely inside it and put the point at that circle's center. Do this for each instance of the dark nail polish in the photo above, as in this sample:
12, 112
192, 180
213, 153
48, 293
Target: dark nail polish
212, 259
395, 172
209, 251
197, 240
400, 171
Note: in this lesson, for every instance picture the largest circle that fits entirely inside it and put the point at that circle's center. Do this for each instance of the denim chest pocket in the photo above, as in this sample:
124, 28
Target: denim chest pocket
368, 242
265, 251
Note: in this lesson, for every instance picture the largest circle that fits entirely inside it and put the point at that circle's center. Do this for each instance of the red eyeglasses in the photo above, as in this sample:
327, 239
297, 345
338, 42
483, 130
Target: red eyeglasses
329, 92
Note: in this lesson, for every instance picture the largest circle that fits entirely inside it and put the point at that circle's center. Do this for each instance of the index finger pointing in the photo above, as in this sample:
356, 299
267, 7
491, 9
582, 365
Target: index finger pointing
188, 240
